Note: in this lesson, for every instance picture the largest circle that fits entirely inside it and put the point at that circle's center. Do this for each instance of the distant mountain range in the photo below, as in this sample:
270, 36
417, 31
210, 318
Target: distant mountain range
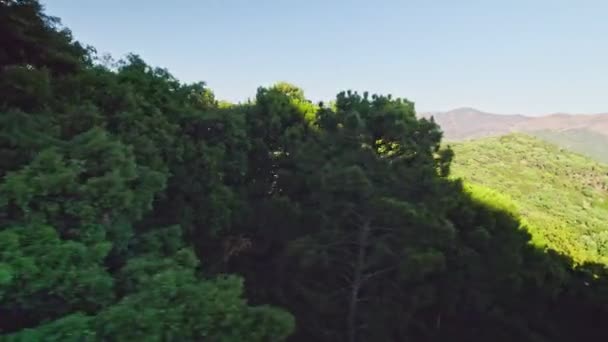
583, 133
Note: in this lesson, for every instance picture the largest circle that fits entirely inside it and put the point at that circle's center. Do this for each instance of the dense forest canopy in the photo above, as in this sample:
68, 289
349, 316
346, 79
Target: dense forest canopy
134, 207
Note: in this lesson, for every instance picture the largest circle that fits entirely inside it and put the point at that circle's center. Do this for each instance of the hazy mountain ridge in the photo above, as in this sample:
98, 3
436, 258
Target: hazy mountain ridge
469, 123
583, 133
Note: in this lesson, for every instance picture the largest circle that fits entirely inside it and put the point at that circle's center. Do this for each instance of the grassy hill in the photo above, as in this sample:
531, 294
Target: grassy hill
561, 196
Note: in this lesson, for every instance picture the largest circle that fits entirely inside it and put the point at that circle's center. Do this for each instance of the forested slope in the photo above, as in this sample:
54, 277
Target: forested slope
562, 195
134, 207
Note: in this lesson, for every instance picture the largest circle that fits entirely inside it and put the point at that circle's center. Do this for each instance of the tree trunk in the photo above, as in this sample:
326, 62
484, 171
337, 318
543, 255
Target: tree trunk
357, 281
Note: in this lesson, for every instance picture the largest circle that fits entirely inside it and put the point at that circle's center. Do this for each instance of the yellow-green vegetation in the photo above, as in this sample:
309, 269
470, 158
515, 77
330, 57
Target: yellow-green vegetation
561, 196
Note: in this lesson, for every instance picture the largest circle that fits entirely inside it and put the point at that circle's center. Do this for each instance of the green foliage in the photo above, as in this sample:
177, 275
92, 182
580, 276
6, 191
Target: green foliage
46, 277
92, 179
136, 207
170, 303
88, 151
175, 306
74, 327
30, 37
165, 300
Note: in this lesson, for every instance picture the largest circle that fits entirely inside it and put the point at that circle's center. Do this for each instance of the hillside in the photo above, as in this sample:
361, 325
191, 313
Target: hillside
582, 133
592, 144
563, 196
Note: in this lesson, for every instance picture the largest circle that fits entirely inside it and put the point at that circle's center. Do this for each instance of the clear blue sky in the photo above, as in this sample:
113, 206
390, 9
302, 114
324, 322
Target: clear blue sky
505, 56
